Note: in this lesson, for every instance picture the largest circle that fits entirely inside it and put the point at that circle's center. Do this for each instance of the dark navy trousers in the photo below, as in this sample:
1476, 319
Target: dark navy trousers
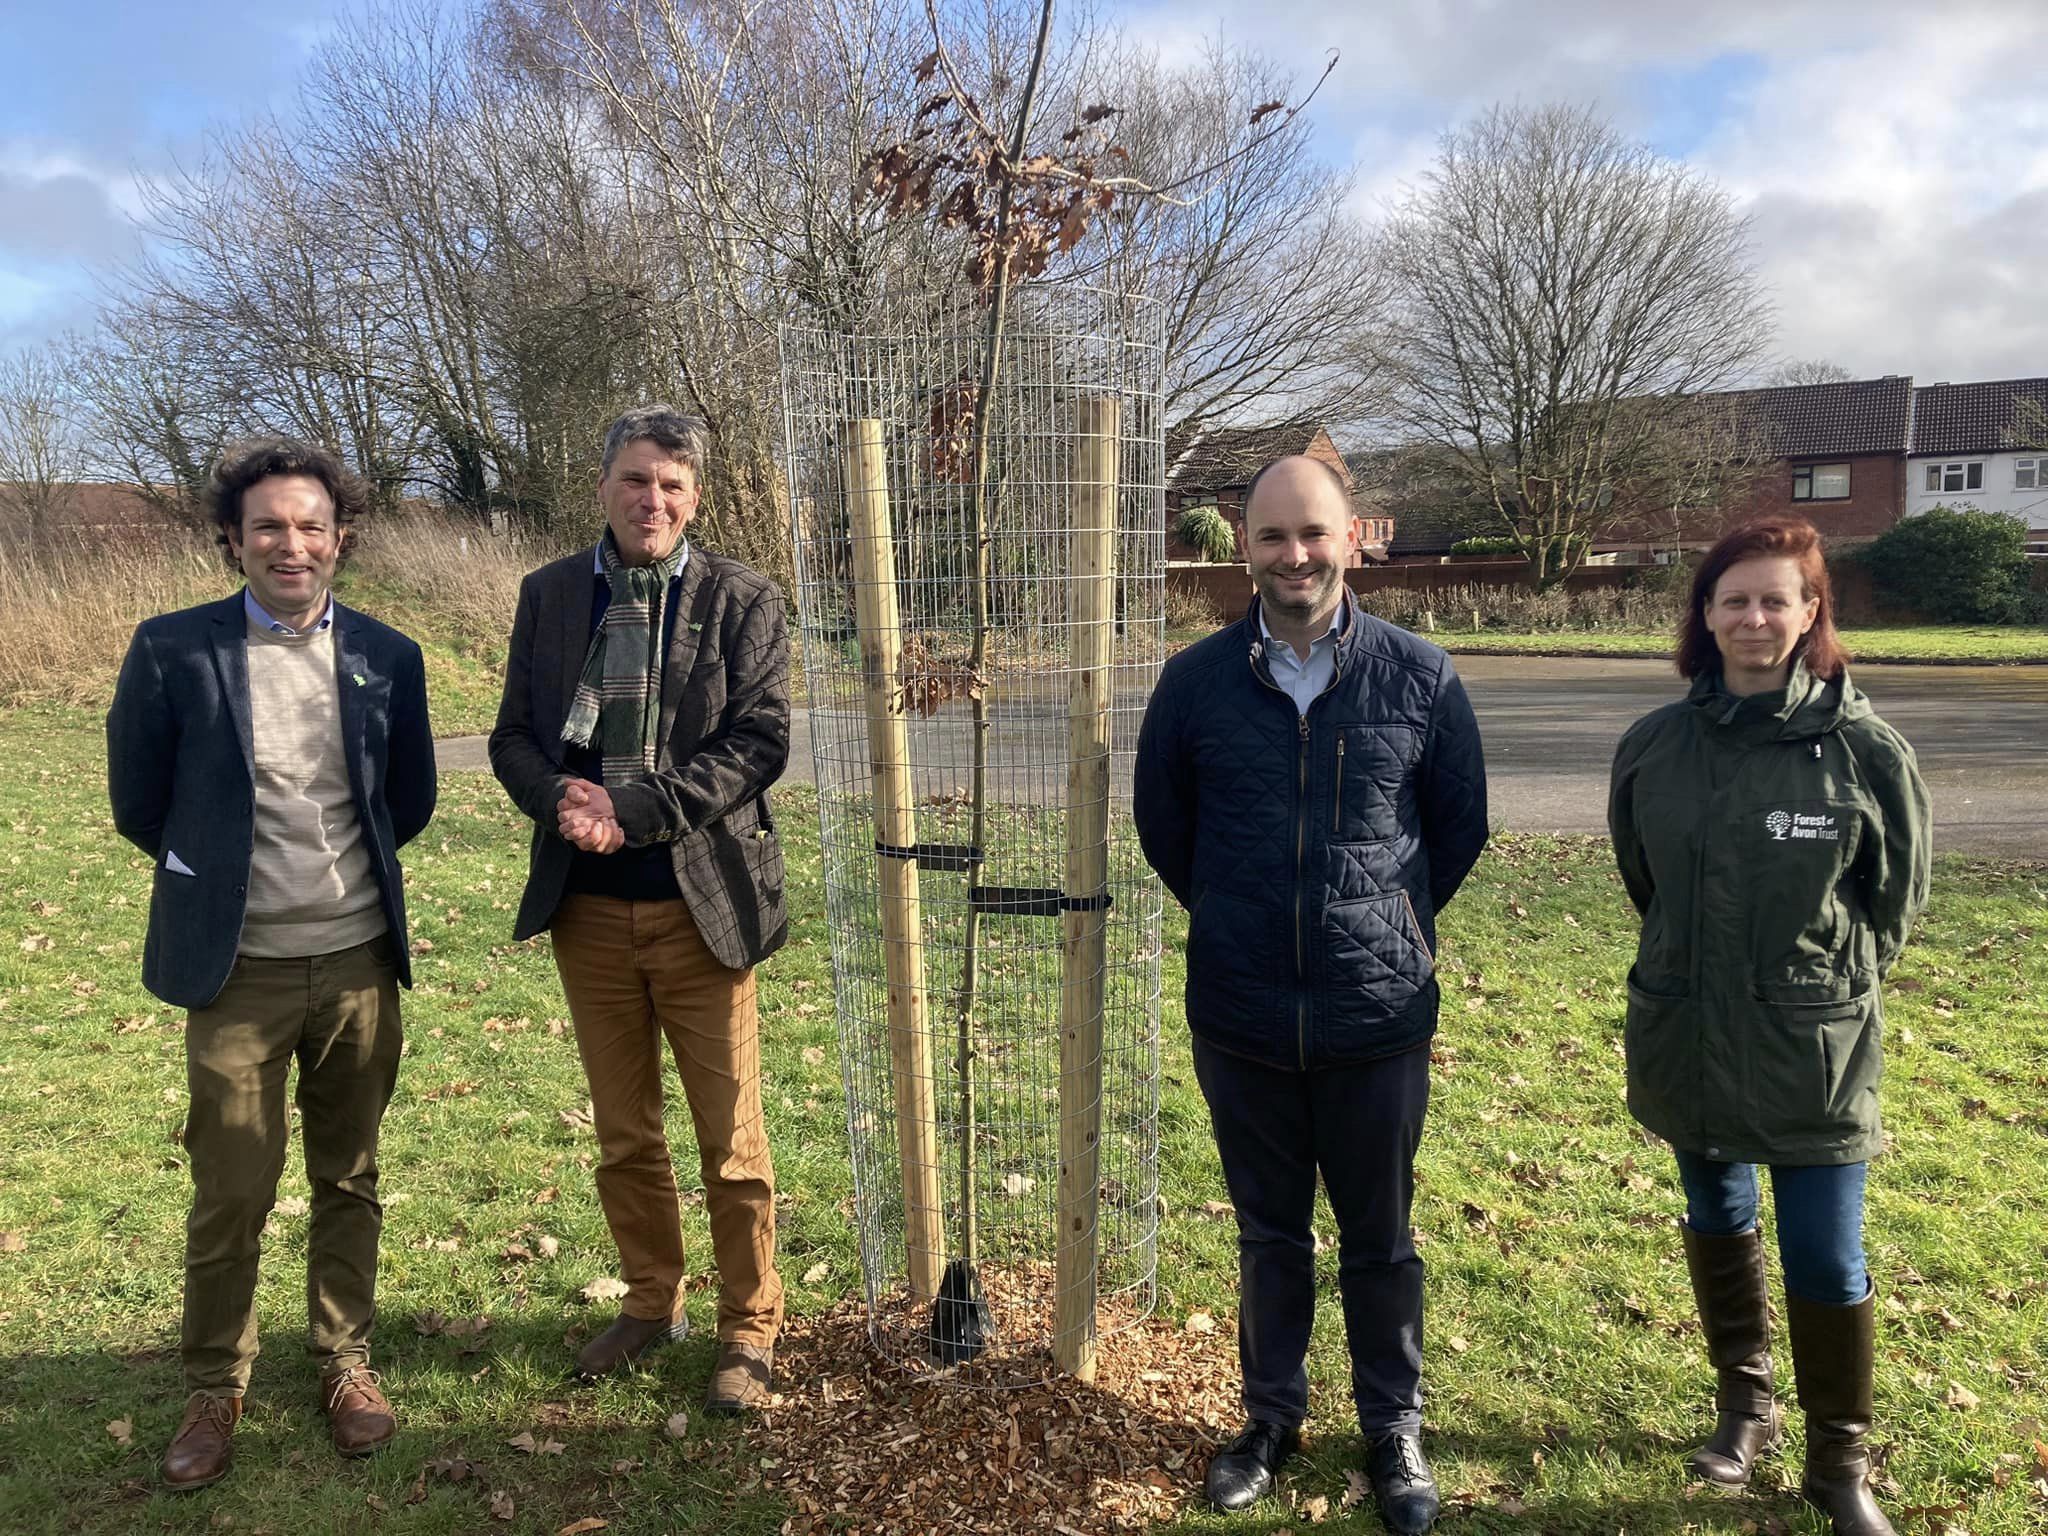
1360, 1126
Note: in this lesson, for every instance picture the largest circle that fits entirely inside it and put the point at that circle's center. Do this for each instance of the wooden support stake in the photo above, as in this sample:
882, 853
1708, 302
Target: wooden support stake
1091, 616
864, 473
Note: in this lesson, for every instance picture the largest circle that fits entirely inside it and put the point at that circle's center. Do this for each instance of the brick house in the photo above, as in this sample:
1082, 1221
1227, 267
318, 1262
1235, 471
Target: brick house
1214, 466
1841, 453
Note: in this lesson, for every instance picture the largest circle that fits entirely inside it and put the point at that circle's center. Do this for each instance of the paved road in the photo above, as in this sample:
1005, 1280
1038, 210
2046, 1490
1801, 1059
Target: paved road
1551, 723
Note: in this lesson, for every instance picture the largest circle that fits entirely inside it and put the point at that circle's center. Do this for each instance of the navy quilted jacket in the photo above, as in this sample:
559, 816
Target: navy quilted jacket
1313, 852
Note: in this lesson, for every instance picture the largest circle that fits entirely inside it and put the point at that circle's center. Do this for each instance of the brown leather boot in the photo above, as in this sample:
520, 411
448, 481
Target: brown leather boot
359, 1417
1735, 1315
627, 1340
1833, 1366
202, 1450
741, 1380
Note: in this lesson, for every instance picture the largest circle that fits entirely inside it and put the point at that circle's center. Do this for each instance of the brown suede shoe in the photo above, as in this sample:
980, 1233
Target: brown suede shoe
359, 1418
740, 1383
627, 1340
201, 1451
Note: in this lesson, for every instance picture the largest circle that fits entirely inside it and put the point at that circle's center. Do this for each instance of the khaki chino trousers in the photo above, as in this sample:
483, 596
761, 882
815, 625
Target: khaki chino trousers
337, 1016
634, 973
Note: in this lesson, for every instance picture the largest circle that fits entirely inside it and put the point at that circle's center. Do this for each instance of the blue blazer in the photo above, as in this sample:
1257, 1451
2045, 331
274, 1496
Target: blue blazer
181, 775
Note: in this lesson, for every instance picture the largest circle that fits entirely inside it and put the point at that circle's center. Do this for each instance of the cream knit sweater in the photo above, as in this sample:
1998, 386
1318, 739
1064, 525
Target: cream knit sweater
311, 890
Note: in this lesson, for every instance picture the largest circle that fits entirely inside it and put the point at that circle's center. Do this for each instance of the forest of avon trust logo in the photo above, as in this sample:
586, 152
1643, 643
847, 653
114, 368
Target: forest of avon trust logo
1779, 823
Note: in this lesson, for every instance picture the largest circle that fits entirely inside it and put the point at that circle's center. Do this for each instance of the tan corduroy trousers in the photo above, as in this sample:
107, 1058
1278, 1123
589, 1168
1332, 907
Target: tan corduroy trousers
338, 1016
634, 972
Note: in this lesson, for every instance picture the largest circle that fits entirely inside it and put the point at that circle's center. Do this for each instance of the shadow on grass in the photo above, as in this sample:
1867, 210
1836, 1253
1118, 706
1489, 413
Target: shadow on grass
459, 1401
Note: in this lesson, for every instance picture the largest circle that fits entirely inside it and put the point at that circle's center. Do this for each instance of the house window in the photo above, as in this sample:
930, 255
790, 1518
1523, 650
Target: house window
2030, 474
1820, 482
1967, 476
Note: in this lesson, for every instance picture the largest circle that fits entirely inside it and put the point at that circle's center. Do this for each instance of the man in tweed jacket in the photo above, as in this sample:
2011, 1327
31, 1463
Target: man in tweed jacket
646, 712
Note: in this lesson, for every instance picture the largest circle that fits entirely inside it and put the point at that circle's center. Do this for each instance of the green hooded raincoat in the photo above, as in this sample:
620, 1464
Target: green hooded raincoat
1777, 849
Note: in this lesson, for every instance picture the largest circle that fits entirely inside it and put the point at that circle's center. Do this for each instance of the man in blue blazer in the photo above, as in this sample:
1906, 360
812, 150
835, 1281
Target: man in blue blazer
271, 754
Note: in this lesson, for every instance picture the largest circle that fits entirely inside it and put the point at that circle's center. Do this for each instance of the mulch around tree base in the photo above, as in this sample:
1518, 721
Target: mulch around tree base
859, 1445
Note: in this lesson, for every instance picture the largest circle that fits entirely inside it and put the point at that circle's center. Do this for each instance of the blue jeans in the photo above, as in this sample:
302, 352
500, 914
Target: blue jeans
1820, 1220
1359, 1126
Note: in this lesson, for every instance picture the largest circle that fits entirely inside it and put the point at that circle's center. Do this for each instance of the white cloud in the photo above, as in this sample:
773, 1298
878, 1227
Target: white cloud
1894, 155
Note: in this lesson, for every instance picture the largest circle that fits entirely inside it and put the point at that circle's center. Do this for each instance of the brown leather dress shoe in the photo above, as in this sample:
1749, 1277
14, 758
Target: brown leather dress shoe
201, 1451
359, 1417
627, 1340
740, 1381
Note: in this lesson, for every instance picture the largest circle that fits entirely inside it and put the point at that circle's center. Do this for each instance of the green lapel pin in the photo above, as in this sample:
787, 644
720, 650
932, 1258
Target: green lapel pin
359, 679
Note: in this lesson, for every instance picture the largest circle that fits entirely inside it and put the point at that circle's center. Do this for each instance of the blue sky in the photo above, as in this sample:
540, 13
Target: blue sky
1893, 156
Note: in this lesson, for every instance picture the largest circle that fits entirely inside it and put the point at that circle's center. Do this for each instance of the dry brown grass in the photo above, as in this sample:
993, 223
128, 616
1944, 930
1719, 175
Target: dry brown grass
68, 607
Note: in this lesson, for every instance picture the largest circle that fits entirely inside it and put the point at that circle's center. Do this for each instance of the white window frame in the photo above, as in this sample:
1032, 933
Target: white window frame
2033, 469
1966, 474
1808, 474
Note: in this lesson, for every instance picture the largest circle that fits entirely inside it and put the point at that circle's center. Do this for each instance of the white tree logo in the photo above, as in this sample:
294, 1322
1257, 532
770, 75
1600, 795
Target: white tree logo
1779, 823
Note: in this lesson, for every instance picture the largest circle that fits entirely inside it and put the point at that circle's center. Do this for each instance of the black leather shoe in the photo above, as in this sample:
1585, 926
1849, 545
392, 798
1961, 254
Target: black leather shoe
1402, 1483
1242, 1472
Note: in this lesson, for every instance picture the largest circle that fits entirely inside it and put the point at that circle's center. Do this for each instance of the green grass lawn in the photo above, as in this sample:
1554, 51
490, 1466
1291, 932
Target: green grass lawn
1565, 1372
1929, 643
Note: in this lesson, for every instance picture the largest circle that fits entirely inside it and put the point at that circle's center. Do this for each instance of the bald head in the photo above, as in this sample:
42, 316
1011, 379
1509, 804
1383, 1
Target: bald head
1297, 538
1298, 483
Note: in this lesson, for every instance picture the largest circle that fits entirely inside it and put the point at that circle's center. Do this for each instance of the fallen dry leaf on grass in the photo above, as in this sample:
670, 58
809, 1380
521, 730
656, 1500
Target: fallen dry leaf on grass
1356, 1491
816, 1274
678, 1424
13, 1242
605, 1289
123, 1430
813, 1056
501, 1506
1316, 1510
524, 1441
1200, 1322
1960, 1396
580, 1527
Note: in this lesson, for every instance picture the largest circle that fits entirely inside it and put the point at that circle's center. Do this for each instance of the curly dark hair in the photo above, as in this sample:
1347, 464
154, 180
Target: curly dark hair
1795, 539
249, 460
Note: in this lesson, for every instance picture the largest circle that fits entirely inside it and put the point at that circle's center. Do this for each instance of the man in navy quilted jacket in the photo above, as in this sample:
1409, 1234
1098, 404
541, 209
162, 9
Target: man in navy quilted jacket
1310, 787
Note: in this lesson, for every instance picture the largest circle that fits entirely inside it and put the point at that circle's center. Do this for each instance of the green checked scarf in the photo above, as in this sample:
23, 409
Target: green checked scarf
618, 698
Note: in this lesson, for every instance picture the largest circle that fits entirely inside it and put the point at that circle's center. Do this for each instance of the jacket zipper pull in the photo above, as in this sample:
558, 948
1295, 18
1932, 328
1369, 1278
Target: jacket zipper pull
1816, 751
1337, 811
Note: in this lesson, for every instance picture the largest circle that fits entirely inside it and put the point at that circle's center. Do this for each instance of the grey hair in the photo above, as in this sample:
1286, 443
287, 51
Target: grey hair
686, 437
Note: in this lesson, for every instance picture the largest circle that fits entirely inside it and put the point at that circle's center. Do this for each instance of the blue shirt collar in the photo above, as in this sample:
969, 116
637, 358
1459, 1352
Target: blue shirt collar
1330, 636
263, 619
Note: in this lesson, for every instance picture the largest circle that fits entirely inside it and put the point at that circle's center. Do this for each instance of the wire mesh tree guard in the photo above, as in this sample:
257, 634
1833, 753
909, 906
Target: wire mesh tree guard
980, 602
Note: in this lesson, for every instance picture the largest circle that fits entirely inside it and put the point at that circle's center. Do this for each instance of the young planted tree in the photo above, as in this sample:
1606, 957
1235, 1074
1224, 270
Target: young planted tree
1021, 208
1560, 294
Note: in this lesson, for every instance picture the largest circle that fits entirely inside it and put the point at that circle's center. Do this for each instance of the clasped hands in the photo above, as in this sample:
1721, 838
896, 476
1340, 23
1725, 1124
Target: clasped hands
586, 819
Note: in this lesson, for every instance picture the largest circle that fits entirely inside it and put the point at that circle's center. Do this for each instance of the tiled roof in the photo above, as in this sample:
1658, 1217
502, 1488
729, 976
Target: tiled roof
1979, 418
1222, 458
1814, 421
1431, 509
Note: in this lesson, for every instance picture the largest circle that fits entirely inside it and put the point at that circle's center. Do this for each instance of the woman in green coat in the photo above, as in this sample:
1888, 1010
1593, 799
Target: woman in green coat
1773, 833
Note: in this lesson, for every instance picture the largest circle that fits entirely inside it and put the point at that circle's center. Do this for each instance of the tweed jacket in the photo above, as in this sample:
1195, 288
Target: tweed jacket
723, 738
181, 775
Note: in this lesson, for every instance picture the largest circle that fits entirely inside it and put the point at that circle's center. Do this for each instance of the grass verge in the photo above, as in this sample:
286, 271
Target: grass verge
1952, 645
1565, 1369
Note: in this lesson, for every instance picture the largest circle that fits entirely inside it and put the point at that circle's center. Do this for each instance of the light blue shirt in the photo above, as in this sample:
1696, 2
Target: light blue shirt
261, 616
1303, 680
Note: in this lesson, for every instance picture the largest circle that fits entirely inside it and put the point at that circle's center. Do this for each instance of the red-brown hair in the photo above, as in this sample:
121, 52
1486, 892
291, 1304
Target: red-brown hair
1794, 538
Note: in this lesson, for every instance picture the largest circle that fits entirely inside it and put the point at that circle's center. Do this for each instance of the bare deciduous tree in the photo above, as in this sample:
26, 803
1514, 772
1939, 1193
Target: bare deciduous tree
1560, 292
40, 453
1807, 370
